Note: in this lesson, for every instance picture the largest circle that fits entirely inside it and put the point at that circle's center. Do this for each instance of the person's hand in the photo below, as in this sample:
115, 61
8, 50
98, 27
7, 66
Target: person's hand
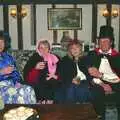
17, 85
50, 75
75, 82
94, 72
40, 65
117, 80
7, 70
107, 88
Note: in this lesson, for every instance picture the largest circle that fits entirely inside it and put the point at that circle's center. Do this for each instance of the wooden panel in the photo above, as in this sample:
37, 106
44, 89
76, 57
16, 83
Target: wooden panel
54, 31
19, 27
5, 18
119, 30
33, 24
94, 22
108, 19
75, 31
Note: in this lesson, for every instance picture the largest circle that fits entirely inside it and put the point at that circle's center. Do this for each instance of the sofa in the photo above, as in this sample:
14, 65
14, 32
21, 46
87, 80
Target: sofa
22, 56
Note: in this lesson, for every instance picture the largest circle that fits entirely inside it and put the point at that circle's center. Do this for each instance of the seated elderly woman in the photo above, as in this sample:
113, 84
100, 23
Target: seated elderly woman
41, 72
12, 91
74, 75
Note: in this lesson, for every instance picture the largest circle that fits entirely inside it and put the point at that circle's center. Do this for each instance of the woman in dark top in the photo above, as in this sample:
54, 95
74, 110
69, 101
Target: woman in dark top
74, 75
41, 72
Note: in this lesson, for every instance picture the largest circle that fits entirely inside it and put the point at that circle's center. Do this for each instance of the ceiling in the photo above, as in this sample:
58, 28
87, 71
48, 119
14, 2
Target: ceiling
59, 1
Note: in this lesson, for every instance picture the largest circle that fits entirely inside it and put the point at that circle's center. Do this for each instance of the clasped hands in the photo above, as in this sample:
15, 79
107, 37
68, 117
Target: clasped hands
95, 73
7, 70
41, 66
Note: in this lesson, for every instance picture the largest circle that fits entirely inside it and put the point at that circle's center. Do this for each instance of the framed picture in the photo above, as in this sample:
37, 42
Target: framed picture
64, 18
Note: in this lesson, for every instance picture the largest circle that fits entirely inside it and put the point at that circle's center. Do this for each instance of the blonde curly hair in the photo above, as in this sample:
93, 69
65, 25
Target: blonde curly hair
75, 42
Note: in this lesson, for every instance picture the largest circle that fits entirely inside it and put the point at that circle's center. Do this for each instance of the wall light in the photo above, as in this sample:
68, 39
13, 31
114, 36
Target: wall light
105, 13
13, 12
114, 13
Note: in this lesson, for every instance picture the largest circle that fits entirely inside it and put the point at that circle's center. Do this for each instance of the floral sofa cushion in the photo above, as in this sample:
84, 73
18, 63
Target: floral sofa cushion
22, 56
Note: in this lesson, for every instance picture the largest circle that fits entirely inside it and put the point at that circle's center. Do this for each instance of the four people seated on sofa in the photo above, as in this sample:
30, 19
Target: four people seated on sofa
41, 72
74, 75
11, 90
44, 70
104, 67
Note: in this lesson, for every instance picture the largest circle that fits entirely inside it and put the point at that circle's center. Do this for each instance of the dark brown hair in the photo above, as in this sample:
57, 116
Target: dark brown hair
5, 36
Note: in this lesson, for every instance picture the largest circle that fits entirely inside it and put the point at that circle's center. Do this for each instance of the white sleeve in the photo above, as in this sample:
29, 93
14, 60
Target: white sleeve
97, 80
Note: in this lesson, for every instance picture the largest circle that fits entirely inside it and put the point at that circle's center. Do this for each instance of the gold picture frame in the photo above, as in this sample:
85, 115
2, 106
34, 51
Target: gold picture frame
64, 18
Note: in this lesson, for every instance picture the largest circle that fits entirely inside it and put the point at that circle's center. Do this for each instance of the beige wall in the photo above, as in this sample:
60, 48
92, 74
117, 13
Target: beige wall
1, 17
41, 23
115, 23
86, 33
13, 30
42, 29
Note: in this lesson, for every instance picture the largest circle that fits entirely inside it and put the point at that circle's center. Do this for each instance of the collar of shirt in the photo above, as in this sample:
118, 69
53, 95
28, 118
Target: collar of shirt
106, 53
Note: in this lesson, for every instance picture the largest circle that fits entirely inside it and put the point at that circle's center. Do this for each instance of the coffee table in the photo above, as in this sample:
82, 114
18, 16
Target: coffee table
59, 111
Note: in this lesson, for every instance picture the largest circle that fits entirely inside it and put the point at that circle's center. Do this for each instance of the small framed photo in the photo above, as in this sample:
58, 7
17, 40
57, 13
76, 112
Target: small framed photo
64, 18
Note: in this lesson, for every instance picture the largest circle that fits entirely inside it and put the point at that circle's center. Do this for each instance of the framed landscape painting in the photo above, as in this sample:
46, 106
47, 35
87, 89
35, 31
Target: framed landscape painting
64, 18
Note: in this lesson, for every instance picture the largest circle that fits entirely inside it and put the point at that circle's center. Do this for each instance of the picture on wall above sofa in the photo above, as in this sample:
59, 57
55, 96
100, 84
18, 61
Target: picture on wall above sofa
64, 18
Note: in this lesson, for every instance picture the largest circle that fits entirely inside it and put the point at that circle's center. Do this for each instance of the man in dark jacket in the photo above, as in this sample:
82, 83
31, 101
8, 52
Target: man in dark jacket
104, 67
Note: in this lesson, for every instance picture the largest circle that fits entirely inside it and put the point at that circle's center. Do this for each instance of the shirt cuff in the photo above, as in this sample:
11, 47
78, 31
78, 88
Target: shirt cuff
97, 80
